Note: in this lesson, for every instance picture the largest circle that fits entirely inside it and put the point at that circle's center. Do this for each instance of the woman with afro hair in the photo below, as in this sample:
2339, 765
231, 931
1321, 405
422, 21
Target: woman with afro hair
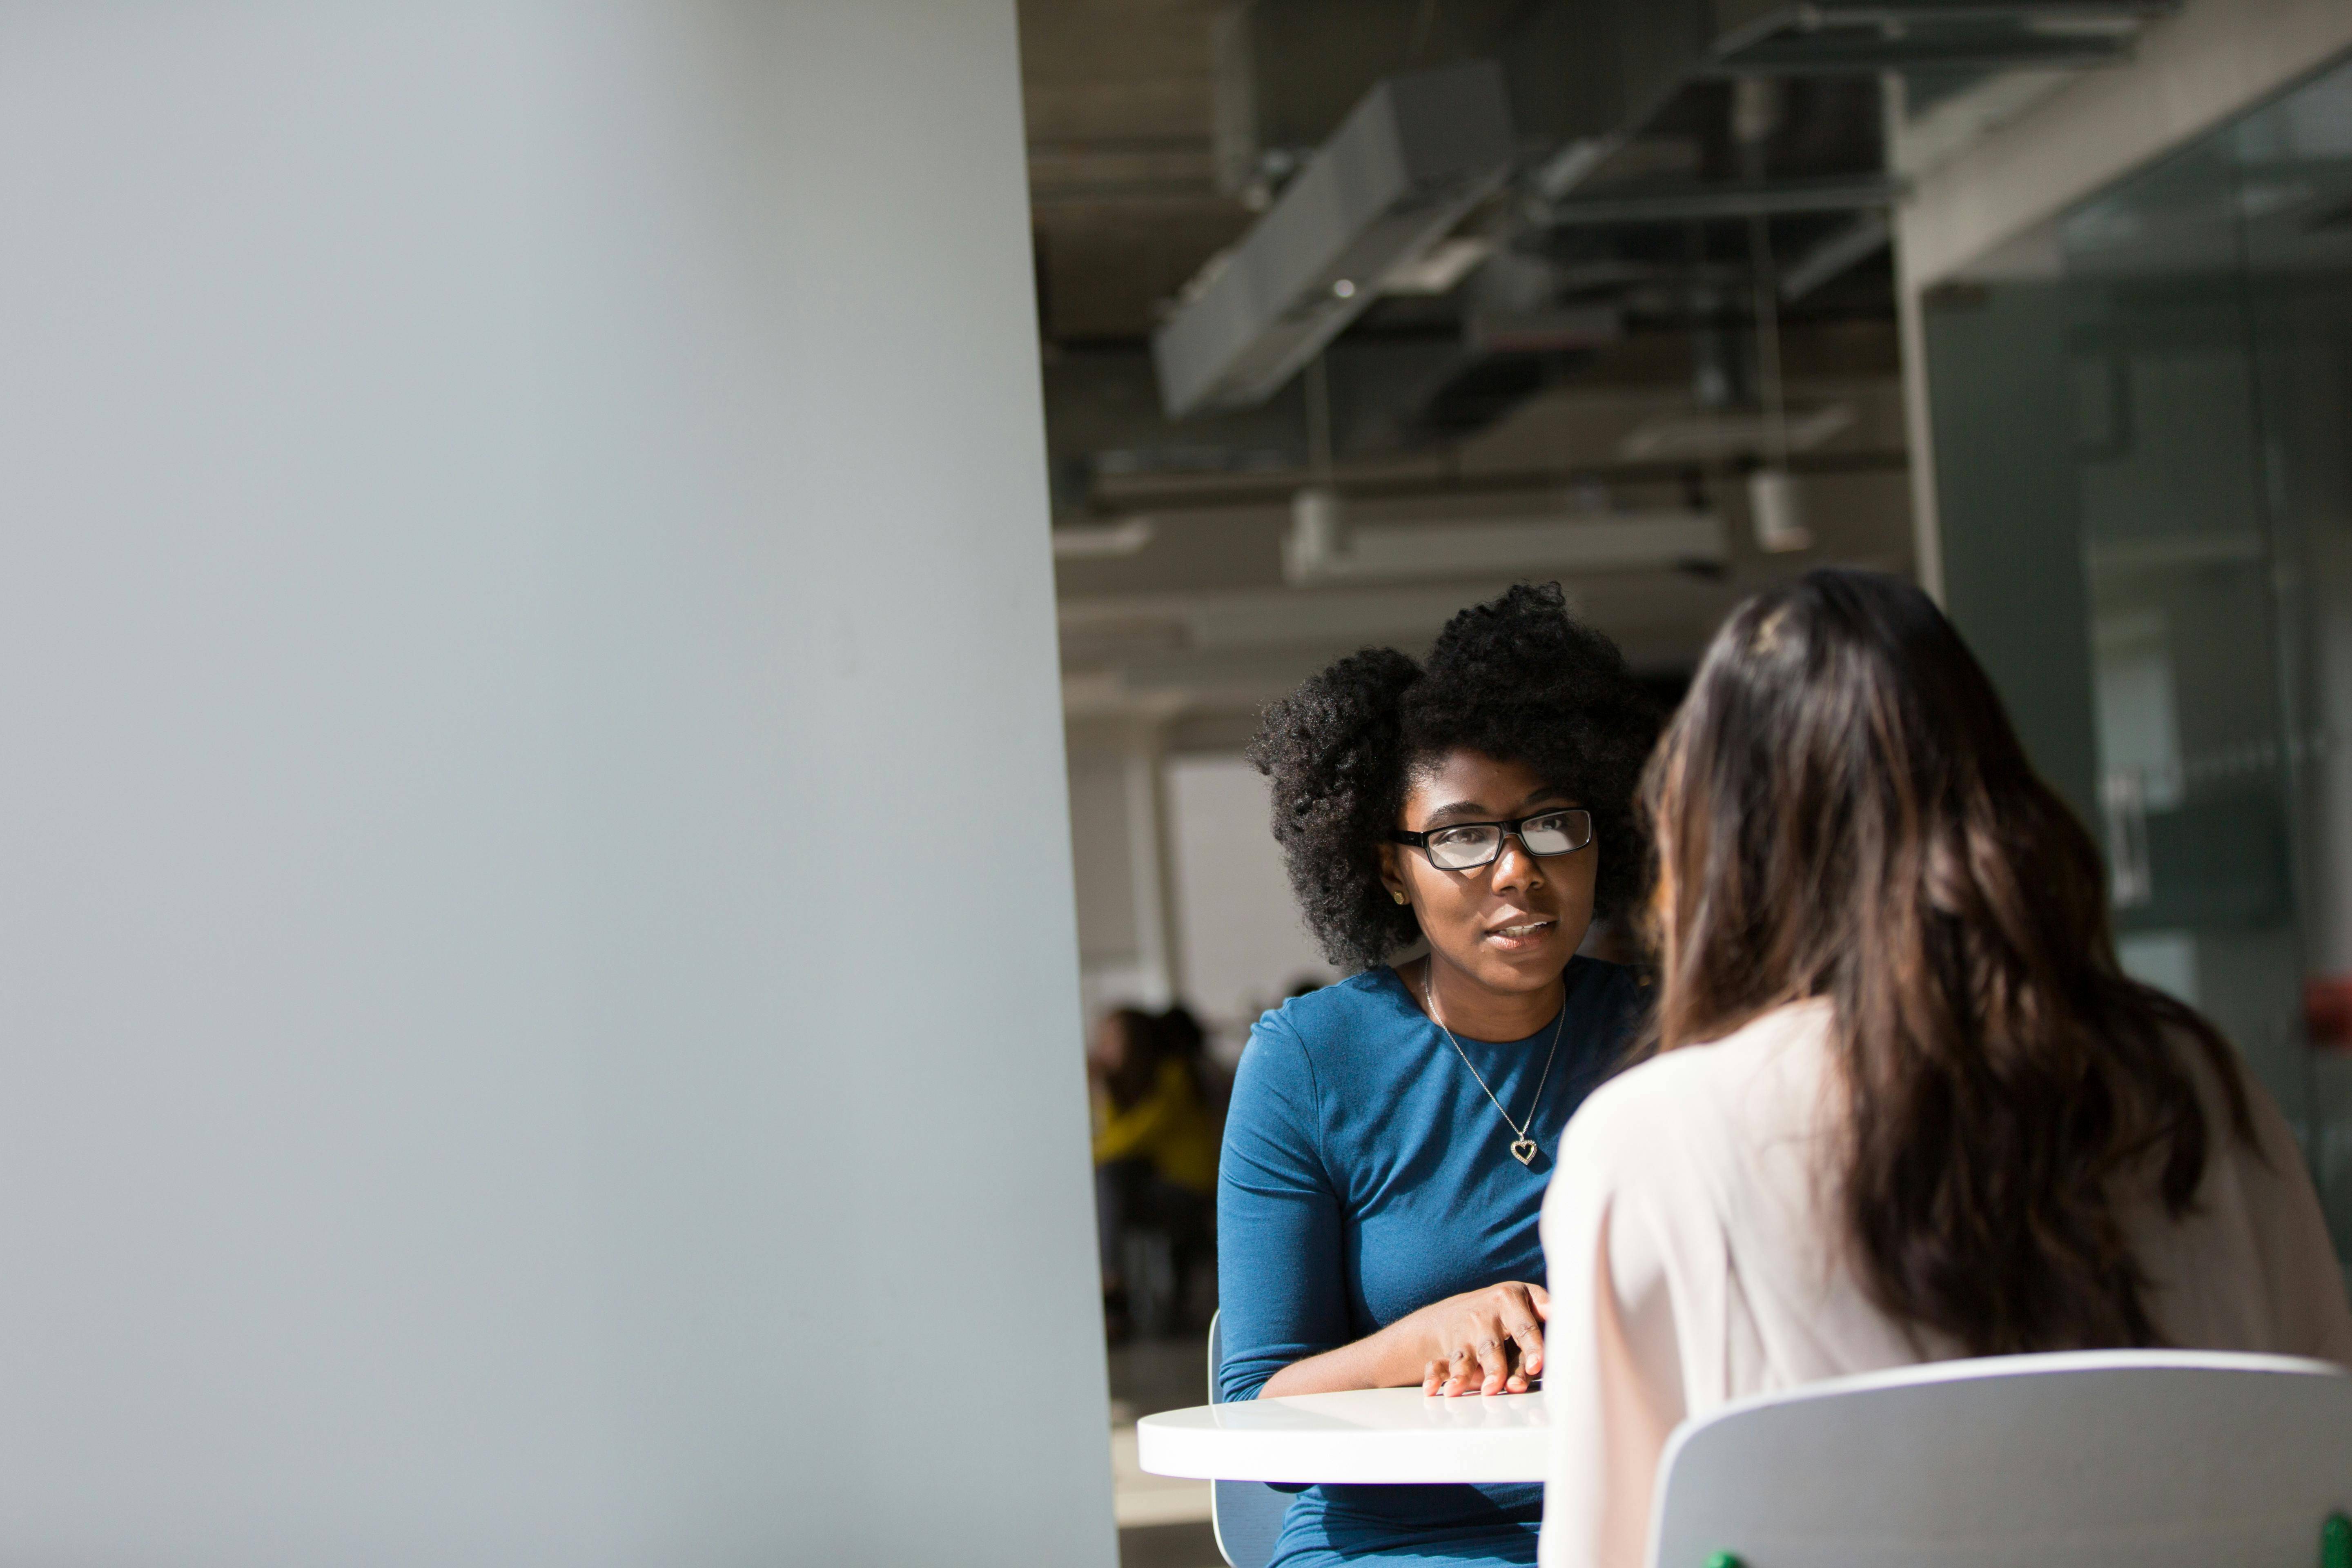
1452, 830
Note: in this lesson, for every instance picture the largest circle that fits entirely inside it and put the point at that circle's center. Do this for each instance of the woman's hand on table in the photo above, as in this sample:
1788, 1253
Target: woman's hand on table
1485, 1341
1481, 1342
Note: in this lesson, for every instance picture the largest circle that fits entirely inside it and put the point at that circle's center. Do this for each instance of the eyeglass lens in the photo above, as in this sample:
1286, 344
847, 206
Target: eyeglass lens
1475, 844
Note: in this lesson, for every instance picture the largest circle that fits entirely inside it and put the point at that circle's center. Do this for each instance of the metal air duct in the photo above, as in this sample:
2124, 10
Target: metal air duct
1411, 160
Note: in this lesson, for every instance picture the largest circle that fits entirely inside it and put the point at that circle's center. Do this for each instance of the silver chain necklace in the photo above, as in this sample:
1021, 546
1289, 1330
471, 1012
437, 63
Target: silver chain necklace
1523, 1148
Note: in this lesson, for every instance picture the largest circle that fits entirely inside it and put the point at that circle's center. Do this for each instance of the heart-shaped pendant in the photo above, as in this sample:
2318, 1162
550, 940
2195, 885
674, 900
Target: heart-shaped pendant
1525, 1151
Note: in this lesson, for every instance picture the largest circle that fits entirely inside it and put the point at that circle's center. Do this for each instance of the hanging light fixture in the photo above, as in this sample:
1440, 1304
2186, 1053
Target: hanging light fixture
1776, 508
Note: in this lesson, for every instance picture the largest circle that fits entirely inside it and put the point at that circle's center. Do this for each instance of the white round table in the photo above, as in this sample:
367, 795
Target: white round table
1378, 1436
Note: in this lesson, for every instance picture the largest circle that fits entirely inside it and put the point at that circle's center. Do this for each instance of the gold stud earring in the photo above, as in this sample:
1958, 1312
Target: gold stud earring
1397, 896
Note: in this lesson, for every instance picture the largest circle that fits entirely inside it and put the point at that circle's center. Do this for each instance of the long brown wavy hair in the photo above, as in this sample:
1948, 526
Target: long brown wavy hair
1841, 810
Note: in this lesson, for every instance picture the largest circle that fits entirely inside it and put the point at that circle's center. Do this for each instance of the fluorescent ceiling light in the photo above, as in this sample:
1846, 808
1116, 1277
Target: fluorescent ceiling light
1318, 552
1697, 437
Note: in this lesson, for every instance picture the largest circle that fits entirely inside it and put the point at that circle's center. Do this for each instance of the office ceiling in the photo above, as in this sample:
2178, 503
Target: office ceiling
1122, 189
1593, 352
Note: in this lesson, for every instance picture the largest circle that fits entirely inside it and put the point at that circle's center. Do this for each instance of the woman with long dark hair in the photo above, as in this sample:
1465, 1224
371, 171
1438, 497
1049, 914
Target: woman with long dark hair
1390, 1136
1903, 1103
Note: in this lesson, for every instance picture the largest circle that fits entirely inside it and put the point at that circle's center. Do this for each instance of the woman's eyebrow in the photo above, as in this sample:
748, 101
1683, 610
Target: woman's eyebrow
1476, 812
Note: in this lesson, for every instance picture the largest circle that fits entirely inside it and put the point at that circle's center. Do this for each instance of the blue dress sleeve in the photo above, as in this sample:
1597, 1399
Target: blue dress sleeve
1279, 1284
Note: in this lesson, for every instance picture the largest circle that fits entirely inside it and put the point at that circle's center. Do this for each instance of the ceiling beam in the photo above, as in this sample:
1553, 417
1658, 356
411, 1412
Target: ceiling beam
1838, 52
1680, 203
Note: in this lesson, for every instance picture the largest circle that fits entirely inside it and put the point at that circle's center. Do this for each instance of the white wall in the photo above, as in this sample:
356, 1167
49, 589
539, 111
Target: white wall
1200, 822
536, 965
1100, 831
1243, 940
1129, 948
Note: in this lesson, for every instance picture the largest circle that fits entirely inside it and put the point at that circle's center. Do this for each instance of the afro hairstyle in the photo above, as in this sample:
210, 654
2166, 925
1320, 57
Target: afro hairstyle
1518, 679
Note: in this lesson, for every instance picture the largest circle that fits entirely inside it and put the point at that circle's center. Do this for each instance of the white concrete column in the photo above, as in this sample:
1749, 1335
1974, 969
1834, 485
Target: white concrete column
536, 960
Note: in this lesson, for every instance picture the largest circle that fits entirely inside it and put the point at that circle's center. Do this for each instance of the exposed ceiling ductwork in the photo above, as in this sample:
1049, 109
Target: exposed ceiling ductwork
1622, 315
1417, 154
1626, 120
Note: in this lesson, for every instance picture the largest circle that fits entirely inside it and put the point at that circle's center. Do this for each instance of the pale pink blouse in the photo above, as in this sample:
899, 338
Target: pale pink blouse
1695, 1260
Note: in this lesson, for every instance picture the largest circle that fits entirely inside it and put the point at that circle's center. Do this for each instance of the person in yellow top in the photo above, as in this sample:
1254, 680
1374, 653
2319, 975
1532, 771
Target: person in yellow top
1155, 1146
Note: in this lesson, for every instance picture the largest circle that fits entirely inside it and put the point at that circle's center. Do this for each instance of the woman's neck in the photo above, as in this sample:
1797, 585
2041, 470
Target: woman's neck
1481, 1012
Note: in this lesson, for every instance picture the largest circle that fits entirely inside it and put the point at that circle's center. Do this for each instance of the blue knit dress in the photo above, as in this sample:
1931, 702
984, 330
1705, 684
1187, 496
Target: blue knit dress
1365, 1174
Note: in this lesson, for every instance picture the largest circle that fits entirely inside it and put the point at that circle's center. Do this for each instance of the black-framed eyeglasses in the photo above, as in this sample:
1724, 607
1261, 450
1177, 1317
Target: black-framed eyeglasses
1466, 845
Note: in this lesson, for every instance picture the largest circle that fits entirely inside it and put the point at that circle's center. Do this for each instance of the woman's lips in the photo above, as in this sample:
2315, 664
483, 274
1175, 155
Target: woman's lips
1520, 935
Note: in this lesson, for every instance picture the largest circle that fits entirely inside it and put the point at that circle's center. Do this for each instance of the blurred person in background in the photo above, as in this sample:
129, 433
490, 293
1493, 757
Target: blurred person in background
1904, 1105
1390, 1135
1155, 1147
1186, 1041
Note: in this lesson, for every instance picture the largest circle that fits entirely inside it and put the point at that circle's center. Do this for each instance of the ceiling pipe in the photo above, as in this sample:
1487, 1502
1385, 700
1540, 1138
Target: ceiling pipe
1728, 199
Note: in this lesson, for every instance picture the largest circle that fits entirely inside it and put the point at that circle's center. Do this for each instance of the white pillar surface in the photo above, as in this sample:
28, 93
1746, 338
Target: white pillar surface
537, 985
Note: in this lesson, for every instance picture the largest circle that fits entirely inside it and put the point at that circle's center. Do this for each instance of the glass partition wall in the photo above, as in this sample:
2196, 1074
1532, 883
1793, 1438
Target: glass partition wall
2143, 422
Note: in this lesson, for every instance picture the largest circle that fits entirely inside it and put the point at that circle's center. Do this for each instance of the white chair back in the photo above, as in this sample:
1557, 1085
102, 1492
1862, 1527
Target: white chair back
2104, 1459
1246, 1516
